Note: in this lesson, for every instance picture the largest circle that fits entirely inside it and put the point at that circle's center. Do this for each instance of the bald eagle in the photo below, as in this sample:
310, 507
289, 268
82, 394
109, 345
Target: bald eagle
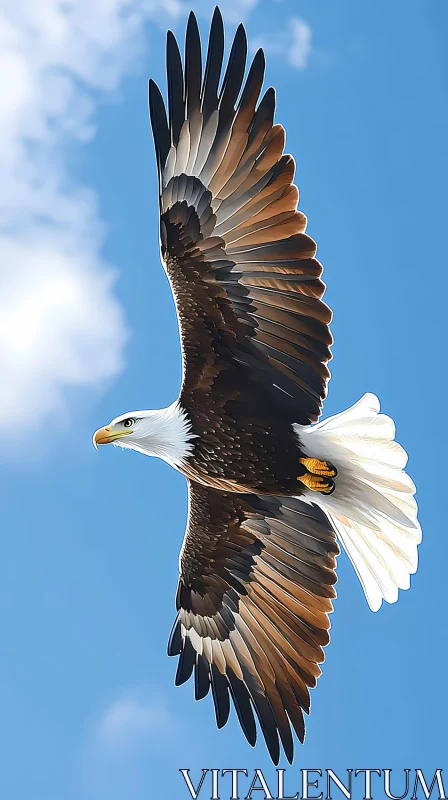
272, 491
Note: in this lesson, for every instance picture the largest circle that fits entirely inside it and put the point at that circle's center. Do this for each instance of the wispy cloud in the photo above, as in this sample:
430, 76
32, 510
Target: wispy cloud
172, 9
130, 721
235, 10
300, 47
123, 744
294, 43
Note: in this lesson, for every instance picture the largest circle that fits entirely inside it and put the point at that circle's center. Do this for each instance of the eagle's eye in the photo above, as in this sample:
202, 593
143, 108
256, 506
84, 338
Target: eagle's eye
129, 422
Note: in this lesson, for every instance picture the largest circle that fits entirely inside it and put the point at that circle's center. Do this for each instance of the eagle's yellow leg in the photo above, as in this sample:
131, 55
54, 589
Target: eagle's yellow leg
318, 475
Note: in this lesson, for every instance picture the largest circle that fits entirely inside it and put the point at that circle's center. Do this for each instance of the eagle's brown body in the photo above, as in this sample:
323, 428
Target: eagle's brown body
242, 443
248, 455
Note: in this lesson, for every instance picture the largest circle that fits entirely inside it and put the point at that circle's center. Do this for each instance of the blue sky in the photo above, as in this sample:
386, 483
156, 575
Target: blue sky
90, 540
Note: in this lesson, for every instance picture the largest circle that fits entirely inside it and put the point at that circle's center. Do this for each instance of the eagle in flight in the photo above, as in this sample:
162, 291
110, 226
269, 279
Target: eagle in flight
272, 491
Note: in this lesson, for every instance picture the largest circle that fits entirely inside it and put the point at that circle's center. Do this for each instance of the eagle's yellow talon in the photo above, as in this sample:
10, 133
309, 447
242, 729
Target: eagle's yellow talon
317, 483
317, 467
318, 475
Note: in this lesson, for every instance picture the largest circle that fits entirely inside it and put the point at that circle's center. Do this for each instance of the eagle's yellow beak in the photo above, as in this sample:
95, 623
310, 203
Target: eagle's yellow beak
107, 435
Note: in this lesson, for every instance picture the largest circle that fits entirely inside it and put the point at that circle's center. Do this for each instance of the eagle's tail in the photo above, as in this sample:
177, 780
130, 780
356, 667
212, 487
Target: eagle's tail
372, 508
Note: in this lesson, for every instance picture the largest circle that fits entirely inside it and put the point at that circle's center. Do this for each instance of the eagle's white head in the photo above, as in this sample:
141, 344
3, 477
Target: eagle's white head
166, 434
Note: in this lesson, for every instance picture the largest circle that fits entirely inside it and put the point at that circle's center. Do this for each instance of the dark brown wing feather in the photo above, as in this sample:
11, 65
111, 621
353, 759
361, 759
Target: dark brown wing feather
246, 281
255, 591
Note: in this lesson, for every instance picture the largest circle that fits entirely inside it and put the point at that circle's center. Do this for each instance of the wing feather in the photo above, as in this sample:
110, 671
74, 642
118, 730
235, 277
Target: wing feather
233, 241
255, 590
193, 68
175, 76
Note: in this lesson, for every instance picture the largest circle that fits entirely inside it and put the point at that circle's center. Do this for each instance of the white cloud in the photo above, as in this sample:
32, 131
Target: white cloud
295, 43
61, 324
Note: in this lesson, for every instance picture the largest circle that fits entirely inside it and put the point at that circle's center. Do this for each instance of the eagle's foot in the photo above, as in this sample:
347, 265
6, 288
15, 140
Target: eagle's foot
318, 475
317, 467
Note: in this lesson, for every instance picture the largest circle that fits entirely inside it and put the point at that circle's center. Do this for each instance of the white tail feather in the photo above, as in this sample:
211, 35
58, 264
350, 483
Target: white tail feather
372, 508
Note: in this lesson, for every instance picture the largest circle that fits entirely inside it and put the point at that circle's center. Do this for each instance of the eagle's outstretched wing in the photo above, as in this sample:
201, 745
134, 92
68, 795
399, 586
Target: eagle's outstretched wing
255, 591
245, 280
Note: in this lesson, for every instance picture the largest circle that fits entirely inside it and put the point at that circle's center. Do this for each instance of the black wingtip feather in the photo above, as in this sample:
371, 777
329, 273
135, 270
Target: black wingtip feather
266, 718
289, 754
269, 729
193, 65
258, 62
159, 124
243, 708
265, 111
217, 18
234, 74
186, 663
212, 72
175, 80
253, 81
175, 640
201, 677
220, 693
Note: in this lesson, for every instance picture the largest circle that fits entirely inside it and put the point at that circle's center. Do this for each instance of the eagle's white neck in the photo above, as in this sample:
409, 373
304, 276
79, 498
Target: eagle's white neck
166, 433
